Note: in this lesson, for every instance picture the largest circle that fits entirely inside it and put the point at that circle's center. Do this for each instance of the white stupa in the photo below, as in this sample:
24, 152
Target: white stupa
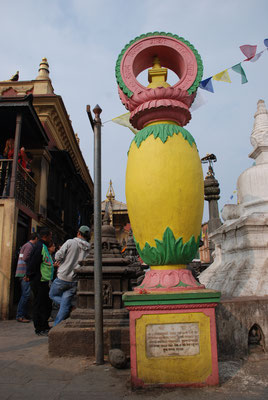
240, 266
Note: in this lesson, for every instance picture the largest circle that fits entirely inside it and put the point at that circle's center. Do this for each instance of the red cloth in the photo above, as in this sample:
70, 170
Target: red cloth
10, 154
21, 160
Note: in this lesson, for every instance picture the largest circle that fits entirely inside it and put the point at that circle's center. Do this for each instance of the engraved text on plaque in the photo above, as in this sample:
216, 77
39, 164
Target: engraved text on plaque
180, 339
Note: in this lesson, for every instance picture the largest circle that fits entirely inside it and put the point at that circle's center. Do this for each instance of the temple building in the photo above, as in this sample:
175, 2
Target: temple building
44, 180
118, 215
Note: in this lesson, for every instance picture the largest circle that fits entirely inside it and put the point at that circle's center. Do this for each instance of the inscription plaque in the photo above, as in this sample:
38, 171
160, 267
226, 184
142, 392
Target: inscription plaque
164, 340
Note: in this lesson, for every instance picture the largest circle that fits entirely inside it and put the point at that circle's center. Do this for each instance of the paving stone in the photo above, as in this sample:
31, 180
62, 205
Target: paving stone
27, 372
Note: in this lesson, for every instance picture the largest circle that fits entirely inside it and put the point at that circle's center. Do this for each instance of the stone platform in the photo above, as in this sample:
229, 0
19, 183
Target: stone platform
28, 373
76, 335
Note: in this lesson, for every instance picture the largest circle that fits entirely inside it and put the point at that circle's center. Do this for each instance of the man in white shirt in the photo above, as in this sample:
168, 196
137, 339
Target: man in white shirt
63, 288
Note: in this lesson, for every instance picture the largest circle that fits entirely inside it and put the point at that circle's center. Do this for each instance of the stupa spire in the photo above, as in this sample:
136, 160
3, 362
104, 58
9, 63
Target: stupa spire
110, 193
259, 135
43, 72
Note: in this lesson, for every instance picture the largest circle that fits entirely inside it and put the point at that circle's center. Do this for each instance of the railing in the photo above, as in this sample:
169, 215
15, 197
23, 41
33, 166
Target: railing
25, 185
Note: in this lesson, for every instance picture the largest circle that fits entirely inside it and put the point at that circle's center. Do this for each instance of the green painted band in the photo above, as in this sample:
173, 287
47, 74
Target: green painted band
163, 132
155, 303
197, 296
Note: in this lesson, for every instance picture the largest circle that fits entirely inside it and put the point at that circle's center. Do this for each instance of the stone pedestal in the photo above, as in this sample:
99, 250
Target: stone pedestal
173, 338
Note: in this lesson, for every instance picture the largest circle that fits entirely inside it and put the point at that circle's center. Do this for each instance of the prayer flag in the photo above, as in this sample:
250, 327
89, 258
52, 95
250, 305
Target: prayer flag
199, 101
237, 68
206, 84
124, 120
265, 42
222, 76
249, 51
257, 56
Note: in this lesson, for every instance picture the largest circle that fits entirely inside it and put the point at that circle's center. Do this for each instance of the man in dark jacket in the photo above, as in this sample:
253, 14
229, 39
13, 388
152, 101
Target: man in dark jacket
40, 272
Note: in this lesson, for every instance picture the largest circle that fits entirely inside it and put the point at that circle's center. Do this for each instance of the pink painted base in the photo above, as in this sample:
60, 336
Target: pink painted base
137, 312
170, 280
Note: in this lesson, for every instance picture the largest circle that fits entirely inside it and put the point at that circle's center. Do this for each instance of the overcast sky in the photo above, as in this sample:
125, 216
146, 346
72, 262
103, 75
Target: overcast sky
82, 40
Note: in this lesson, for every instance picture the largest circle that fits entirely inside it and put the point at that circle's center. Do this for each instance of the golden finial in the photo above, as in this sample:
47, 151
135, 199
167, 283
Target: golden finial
43, 72
157, 75
110, 193
77, 138
156, 63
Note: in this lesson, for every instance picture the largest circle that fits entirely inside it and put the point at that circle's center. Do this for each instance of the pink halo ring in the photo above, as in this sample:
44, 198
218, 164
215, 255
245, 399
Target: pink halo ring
173, 54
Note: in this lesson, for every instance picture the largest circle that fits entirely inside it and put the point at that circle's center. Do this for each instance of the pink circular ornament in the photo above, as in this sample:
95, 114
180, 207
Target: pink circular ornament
170, 103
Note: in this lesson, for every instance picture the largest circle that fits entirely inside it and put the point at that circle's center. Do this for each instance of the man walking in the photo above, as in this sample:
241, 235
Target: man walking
63, 288
40, 271
24, 257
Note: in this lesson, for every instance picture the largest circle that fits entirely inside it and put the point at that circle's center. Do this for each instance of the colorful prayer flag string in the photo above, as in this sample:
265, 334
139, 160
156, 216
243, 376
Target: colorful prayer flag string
250, 52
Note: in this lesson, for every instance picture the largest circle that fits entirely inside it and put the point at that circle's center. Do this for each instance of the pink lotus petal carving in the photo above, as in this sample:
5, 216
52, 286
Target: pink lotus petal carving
169, 278
145, 95
151, 279
168, 281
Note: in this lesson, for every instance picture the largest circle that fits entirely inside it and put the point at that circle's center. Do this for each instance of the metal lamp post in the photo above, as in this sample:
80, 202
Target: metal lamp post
96, 126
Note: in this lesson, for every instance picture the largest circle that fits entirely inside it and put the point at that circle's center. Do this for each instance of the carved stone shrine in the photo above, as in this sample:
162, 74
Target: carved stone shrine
75, 336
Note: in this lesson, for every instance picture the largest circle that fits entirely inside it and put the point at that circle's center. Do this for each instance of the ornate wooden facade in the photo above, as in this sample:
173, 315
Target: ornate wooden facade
58, 193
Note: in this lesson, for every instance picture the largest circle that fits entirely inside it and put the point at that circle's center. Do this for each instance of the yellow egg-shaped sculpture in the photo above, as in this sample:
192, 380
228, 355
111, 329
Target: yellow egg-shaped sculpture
165, 194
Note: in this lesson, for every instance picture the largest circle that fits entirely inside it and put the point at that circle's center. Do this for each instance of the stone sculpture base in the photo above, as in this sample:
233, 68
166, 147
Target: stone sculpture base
76, 335
173, 338
234, 319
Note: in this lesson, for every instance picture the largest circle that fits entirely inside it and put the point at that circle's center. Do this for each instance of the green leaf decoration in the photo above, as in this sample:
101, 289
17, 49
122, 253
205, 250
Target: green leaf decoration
199, 74
169, 251
162, 131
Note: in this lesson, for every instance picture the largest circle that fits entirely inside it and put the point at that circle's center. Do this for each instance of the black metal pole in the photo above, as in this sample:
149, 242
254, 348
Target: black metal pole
15, 156
96, 125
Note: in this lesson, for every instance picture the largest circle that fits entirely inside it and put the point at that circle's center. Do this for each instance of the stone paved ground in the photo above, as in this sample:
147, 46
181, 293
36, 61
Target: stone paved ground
27, 372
